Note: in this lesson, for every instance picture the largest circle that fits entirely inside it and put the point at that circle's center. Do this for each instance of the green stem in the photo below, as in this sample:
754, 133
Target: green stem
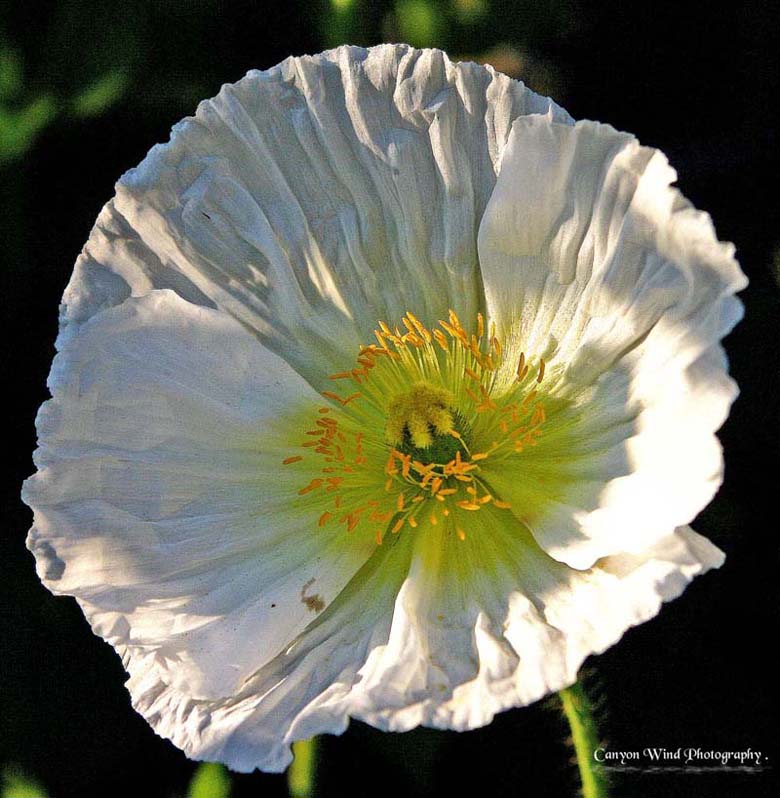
584, 734
301, 773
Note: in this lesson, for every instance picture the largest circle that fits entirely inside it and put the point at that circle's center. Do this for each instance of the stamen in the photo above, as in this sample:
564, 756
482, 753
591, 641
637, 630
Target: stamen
427, 397
441, 340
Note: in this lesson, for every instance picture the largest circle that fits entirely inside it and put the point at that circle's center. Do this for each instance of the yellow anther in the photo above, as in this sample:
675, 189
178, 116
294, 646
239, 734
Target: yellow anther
521, 366
441, 340
313, 485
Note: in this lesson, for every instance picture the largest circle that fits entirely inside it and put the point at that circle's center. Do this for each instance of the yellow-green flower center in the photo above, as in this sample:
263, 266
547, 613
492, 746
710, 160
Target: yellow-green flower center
426, 416
422, 423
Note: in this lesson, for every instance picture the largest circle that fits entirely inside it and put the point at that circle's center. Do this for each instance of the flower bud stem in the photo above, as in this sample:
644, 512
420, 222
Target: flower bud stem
301, 773
584, 732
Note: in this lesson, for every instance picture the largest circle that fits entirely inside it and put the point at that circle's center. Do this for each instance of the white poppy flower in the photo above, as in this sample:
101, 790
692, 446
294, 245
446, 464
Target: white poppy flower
384, 391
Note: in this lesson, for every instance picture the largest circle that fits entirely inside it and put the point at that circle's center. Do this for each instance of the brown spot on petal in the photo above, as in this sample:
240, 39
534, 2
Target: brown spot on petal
315, 603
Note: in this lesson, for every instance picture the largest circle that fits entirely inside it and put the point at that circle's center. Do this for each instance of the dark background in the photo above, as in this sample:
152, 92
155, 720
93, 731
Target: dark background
86, 88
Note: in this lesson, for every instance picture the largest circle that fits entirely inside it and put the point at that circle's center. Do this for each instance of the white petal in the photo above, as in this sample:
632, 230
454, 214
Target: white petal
484, 634
314, 198
434, 652
592, 261
161, 502
311, 688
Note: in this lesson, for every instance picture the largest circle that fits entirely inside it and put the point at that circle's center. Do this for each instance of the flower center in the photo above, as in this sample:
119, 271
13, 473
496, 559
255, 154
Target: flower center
429, 413
422, 423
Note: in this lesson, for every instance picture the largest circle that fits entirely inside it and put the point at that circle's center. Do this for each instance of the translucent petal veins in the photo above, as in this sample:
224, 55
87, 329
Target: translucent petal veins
427, 413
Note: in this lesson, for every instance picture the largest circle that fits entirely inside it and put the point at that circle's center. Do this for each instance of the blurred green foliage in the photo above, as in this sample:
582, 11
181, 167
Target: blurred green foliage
78, 75
466, 29
16, 784
420, 22
210, 781
10, 73
100, 95
20, 126
469, 11
25, 114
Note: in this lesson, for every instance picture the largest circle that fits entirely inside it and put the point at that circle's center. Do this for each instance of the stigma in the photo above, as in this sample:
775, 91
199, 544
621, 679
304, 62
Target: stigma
420, 415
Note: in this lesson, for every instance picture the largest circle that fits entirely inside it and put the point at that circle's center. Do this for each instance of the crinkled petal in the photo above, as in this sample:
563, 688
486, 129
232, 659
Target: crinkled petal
161, 501
493, 622
592, 261
311, 688
408, 644
314, 198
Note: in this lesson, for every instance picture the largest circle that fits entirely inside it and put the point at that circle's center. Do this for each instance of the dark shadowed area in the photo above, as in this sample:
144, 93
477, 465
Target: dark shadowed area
87, 87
